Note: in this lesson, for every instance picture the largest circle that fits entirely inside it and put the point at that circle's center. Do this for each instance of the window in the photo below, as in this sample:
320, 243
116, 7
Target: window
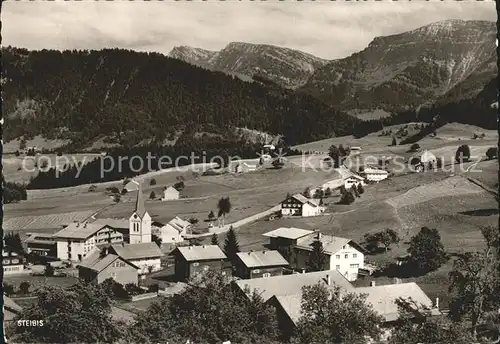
15, 261
354, 266
267, 274
355, 255
337, 256
6, 261
256, 271
346, 256
196, 264
337, 267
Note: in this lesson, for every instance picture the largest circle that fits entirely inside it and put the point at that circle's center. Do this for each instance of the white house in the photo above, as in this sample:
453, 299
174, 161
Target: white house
243, 166
12, 263
146, 256
140, 221
170, 193
353, 180
374, 174
174, 231
299, 205
77, 240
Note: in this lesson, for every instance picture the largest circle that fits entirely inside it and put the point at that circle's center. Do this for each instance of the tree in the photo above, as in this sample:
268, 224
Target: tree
214, 240
13, 241
462, 154
152, 195
394, 142
17, 153
208, 310
81, 313
318, 193
337, 155
306, 192
317, 258
179, 186
426, 250
329, 315
24, 287
231, 246
361, 189
416, 325
328, 192
194, 241
124, 191
386, 237
156, 239
8, 289
475, 282
414, 147
492, 153
224, 206
152, 182
49, 270
211, 216
354, 191
117, 198
193, 220
347, 198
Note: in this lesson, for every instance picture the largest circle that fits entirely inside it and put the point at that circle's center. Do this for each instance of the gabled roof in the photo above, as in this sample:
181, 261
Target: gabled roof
374, 171
205, 252
288, 233
171, 188
303, 199
331, 244
255, 259
140, 208
292, 284
355, 176
383, 298
178, 224
137, 251
9, 304
95, 261
40, 238
79, 230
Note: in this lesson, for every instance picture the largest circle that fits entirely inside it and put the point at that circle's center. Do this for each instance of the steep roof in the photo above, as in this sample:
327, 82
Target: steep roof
79, 230
254, 259
140, 208
40, 238
178, 224
11, 305
205, 252
98, 263
383, 298
292, 284
288, 233
331, 244
137, 251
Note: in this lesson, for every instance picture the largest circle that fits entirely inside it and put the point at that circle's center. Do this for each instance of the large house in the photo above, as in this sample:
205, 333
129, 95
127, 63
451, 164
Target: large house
342, 254
255, 264
146, 256
381, 298
170, 193
174, 231
12, 262
192, 260
100, 265
299, 205
42, 244
77, 240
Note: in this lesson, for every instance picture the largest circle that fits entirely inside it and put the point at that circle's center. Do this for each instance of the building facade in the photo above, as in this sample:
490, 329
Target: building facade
259, 264
41, 244
191, 261
374, 174
170, 193
145, 256
299, 205
12, 262
99, 267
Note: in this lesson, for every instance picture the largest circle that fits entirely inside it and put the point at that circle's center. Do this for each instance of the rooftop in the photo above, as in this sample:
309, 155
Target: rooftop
137, 251
288, 233
97, 262
292, 284
205, 252
262, 258
178, 224
77, 230
40, 238
331, 244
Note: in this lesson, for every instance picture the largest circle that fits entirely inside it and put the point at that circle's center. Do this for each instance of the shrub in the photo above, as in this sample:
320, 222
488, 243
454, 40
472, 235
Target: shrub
414, 147
8, 289
492, 153
124, 191
24, 287
152, 182
49, 270
462, 154
17, 153
152, 195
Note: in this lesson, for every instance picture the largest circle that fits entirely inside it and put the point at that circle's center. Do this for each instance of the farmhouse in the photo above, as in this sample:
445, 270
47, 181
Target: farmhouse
382, 299
374, 174
299, 205
77, 240
12, 262
291, 284
243, 166
342, 254
170, 193
42, 244
173, 232
192, 260
353, 180
101, 265
146, 256
255, 264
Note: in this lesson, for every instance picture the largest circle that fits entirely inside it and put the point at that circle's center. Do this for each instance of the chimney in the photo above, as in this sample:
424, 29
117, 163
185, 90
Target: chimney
372, 283
436, 303
328, 280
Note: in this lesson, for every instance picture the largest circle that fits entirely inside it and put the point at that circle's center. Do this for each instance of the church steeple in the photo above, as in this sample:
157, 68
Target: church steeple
140, 209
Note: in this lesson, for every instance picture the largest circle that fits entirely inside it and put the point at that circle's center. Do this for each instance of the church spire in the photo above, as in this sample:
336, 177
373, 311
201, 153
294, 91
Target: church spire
140, 209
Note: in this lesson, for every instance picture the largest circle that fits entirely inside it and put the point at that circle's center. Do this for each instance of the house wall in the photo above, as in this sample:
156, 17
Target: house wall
48, 249
12, 263
87, 274
349, 182
349, 267
144, 264
376, 177
309, 210
291, 207
195, 268
170, 194
140, 229
181, 268
301, 259
261, 271
71, 249
121, 272
169, 235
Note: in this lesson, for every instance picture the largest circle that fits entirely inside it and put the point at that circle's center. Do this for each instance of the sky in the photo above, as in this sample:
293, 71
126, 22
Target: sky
326, 29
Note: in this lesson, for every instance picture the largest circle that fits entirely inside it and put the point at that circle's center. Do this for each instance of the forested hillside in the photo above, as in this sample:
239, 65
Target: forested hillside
129, 96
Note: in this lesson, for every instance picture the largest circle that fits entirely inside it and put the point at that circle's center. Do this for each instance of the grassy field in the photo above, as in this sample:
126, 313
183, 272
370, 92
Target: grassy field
38, 281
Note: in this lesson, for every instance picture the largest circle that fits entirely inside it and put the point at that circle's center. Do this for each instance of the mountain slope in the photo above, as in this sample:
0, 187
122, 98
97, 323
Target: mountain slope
130, 96
403, 71
287, 67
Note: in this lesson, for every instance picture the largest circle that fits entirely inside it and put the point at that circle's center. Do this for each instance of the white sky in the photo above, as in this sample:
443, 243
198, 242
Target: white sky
322, 28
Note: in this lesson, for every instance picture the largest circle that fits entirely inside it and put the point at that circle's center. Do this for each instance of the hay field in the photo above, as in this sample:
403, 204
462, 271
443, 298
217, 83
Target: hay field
38, 141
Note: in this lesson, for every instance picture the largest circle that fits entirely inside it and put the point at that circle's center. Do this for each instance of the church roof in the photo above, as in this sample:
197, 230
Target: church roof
140, 209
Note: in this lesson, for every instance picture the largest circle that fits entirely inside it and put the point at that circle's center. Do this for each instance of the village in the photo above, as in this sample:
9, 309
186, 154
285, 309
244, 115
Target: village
330, 228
